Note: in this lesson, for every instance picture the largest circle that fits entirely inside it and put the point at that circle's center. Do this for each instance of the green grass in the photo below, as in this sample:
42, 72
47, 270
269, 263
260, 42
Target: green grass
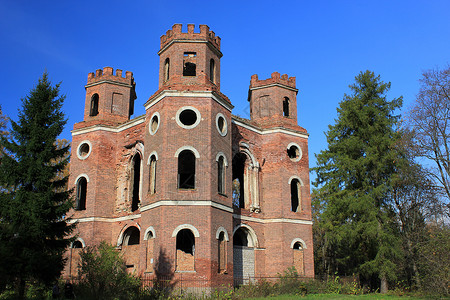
346, 297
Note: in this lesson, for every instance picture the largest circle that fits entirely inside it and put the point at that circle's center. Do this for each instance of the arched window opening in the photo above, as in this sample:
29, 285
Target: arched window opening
136, 181
212, 71
189, 64
77, 245
239, 161
186, 170
222, 253
94, 105
295, 195
240, 238
81, 194
221, 175
286, 107
131, 236
150, 246
166, 70
185, 246
152, 175
298, 258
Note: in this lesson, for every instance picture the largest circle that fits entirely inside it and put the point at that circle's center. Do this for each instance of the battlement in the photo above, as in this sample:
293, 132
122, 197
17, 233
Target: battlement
204, 35
275, 78
107, 74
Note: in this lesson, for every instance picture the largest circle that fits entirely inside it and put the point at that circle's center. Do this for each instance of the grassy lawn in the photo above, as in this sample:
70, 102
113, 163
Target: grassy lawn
346, 297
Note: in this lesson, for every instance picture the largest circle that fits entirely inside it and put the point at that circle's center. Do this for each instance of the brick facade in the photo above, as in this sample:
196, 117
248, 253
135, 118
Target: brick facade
188, 187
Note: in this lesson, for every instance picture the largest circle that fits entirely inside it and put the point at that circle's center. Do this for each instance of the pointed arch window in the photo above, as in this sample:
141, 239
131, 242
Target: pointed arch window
286, 107
135, 181
186, 170
94, 105
299, 258
81, 193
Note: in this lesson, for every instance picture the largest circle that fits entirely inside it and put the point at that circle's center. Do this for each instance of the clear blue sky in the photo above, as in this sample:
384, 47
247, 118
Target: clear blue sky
325, 44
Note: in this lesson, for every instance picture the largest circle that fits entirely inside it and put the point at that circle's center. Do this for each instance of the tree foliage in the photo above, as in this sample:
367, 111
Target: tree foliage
354, 179
33, 200
429, 121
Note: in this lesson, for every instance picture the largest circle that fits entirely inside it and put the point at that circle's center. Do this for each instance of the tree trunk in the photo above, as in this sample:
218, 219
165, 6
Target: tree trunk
384, 285
20, 288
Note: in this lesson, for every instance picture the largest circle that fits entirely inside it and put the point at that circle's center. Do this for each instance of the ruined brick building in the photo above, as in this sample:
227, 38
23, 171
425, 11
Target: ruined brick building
188, 187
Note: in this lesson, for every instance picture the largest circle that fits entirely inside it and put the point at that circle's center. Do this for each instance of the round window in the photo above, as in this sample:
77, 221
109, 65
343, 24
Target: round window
188, 117
221, 124
294, 152
84, 149
154, 123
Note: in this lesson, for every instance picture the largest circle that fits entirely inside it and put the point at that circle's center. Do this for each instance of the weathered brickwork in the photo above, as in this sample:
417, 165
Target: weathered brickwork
188, 187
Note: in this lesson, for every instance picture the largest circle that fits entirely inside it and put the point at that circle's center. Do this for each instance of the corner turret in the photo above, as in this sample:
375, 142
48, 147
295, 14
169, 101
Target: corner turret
109, 98
273, 101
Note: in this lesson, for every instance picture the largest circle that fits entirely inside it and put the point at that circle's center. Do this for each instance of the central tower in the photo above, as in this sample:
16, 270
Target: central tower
187, 144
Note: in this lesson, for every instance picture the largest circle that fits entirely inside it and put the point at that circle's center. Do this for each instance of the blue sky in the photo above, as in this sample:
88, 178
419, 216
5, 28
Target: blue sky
325, 44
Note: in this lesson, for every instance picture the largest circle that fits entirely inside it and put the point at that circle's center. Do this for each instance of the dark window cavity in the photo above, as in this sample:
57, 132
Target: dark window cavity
81, 194
186, 170
94, 105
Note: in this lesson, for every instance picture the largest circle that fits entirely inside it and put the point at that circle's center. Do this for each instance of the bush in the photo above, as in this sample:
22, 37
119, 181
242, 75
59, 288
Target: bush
103, 274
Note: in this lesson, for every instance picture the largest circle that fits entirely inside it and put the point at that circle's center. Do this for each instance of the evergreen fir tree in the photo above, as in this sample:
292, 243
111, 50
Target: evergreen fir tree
33, 200
359, 234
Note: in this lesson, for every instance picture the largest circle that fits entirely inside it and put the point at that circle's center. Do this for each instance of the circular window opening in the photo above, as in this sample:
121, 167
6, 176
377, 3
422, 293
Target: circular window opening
293, 152
84, 149
154, 123
221, 124
188, 117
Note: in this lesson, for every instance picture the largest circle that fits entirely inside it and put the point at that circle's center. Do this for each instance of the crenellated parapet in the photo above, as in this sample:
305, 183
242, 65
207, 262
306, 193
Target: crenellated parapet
275, 78
204, 35
107, 74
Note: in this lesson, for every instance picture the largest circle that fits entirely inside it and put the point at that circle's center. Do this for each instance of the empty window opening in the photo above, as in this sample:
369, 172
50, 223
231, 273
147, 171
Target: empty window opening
188, 117
221, 124
84, 149
154, 123
239, 161
185, 247
293, 152
136, 182
77, 244
152, 175
131, 236
81, 194
286, 107
186, 170
221, 175
295, 195
212, 71
166, 69
94, 105
189, 64
240, 238
222, 253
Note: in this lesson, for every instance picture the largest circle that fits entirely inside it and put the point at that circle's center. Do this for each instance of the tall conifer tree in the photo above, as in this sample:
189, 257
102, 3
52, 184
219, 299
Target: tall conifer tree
353, 182
33, 200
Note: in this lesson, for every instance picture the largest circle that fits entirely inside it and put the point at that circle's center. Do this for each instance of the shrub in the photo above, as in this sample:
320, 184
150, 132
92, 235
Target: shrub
103, 274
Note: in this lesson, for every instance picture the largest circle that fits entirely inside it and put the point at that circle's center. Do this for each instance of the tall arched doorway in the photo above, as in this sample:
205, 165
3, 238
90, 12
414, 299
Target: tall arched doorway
244, 243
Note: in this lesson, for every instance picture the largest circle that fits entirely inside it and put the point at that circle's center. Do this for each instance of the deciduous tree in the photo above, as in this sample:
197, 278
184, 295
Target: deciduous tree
354, 181
33, 201
429, 121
